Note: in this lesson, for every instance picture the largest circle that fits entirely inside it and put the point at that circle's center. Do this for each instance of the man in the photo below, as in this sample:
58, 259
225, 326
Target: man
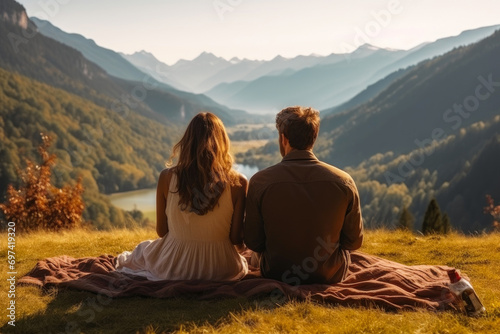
302, 215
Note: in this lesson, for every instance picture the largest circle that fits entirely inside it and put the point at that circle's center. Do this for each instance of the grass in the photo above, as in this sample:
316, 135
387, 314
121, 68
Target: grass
151, 215
77, 311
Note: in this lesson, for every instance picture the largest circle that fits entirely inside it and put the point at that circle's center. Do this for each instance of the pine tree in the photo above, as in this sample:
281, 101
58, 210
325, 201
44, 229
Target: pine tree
432, 219
406, 220
446, 224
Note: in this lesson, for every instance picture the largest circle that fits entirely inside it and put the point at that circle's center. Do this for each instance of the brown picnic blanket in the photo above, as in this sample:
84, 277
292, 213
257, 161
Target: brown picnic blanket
372, 281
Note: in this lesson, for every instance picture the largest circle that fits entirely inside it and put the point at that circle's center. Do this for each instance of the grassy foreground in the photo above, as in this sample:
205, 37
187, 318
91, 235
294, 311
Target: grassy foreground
84, 312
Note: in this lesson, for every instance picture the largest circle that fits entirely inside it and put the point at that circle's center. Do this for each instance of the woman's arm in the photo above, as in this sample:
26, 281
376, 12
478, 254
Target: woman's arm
161, 202
239, 194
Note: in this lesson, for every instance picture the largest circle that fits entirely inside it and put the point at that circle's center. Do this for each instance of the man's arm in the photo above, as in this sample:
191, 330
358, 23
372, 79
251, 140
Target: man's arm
238, 194
254, 234
351, 236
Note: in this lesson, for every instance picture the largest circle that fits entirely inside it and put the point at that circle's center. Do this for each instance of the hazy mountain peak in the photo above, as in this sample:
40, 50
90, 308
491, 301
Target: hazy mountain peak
235, 60
207, 56
144, 55
474, 32
367, 47
279, 58
366, 50
14, 13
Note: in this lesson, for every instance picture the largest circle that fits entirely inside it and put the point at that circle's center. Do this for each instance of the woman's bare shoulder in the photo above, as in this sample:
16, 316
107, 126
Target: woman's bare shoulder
241, 185
165, 177
167, 172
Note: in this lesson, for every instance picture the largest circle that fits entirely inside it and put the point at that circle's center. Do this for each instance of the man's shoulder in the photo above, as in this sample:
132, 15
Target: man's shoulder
320, 169
266, 174
334, 170
335, 174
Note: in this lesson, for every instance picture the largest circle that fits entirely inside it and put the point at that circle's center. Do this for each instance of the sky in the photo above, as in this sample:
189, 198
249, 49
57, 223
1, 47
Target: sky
262, 29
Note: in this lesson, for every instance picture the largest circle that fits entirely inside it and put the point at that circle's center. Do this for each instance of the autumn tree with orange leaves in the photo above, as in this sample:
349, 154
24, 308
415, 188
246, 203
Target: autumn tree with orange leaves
38, 204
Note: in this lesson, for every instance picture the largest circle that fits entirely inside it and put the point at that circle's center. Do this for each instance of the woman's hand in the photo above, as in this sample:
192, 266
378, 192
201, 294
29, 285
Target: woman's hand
241, 247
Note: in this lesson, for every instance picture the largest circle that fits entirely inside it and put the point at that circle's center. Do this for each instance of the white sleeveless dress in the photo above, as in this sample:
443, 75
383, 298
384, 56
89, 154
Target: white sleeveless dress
196, 247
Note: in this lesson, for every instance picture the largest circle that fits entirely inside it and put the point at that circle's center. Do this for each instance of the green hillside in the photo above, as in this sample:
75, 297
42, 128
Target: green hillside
109, 60
368, 93
431, 133
459, 171
113, 152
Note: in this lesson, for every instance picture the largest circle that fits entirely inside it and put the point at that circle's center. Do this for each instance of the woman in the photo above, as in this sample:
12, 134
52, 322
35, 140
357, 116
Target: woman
200, 205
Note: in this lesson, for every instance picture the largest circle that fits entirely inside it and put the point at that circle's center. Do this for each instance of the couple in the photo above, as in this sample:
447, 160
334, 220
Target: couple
300, 217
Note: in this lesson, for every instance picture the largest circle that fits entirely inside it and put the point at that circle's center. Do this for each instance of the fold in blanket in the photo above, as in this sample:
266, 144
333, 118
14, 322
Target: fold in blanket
372, 281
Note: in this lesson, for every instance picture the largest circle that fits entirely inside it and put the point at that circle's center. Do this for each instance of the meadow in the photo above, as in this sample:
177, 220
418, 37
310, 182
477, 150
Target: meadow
69, 311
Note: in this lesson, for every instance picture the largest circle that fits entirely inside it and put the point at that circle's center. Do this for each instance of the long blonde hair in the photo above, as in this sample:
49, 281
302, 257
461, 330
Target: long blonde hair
204, 167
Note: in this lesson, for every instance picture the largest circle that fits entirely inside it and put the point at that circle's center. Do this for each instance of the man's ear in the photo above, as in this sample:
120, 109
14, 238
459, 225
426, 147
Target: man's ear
284, 140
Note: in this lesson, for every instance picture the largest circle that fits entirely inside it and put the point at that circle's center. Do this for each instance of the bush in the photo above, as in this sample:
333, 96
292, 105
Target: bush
494, 211
38, 204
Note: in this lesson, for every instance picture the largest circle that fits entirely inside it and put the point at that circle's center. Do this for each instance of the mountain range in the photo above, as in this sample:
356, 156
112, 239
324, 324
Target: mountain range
324, 82
320, 81
435, 94
113, 76
322, 85
328, 85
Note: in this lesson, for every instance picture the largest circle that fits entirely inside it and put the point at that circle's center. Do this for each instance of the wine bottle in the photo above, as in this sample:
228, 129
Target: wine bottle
462, 288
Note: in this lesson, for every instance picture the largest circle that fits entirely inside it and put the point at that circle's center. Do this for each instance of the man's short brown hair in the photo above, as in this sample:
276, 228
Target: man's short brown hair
300, 126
